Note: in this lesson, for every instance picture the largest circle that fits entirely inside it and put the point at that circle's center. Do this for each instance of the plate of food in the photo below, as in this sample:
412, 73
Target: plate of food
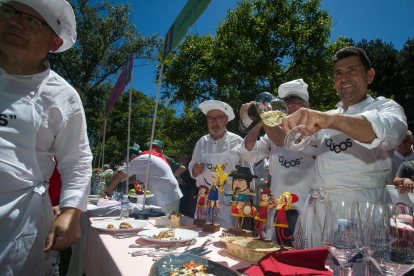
166, 235
186, 264
119, 225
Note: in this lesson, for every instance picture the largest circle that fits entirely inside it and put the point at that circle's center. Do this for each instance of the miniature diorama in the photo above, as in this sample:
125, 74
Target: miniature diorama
266, 205
202, 202
284, 203
218, 179
241, 193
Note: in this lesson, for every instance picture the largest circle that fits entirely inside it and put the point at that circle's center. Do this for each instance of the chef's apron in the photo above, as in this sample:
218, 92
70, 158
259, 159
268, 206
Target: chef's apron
223, 217
26, 211
309, 227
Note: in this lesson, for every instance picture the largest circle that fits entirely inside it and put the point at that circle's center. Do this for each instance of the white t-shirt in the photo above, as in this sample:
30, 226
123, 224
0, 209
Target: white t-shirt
62, 134
345, 162
161, 180
291, 171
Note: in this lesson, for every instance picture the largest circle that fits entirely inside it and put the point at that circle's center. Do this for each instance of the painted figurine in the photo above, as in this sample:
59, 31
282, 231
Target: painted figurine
202, 201
284, 203
242, 191
218, 179
266, 204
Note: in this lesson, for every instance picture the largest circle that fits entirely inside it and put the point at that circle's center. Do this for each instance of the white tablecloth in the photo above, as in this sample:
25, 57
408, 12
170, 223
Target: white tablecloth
397, 197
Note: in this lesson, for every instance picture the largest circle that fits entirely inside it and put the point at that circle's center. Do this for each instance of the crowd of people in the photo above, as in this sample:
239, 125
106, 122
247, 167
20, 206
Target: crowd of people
355, 149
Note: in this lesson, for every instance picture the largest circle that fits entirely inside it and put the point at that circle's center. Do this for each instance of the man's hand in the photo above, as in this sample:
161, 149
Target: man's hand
244, 108
314, 120
56, 211
108, 192
65, 231
198, 169
407, 186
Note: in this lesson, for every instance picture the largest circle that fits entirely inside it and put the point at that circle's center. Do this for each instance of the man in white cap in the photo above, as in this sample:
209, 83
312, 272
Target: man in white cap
41, 117
354, 142
217, 147
291, 171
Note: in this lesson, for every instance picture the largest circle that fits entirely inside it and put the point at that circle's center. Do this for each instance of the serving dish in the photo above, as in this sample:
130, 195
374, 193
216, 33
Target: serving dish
103, 225
182, 235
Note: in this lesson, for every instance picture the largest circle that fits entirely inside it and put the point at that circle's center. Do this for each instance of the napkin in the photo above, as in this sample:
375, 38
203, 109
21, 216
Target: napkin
287, 263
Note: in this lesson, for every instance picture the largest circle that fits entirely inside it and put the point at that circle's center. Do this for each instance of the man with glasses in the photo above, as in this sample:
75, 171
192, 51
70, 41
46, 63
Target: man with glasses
291, 171
41, 118
217, 147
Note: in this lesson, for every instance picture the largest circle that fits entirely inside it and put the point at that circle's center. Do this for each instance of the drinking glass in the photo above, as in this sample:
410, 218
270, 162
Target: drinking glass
342, 231
297, 138
391, 238
365, 208
271, 109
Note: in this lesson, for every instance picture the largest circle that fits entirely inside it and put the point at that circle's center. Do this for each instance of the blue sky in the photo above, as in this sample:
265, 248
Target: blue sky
389, 20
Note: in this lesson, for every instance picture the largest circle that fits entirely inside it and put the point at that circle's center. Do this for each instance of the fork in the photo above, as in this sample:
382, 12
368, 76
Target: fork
169, 249
198, 249
200, 253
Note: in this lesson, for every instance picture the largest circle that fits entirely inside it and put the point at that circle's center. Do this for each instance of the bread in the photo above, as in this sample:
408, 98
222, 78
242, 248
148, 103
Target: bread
125, 225
111, 226
251, 249
174, 213
165, 234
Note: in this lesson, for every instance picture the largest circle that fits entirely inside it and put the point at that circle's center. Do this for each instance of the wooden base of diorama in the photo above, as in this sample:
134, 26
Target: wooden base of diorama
286, 248
199, 222
236, 232
211, 228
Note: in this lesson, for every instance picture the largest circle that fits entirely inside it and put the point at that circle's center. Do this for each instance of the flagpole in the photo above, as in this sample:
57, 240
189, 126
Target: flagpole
103, 145
152, 135
128, 138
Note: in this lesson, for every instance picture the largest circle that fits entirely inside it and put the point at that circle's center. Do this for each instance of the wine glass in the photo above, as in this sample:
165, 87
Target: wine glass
365, 208
297, 138
342, 231
391, 238
271, 109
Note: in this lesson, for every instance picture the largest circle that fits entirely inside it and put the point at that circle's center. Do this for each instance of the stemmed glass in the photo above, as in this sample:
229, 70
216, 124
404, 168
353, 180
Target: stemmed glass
365, 208
297, 138
391, 238
342, 231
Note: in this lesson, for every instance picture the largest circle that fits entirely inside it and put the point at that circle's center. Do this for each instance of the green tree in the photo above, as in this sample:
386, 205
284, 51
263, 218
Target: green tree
259, 45
406, 66
105, 39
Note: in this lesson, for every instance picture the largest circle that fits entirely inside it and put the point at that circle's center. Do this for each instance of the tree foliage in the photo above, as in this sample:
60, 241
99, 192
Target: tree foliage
258, 46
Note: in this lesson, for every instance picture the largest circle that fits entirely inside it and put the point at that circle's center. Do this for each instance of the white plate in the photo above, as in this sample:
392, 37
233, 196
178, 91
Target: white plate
107, 203
94, 200
103, 225
184, 234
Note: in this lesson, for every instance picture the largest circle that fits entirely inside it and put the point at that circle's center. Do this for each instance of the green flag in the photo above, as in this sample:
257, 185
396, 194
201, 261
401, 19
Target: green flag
187, 17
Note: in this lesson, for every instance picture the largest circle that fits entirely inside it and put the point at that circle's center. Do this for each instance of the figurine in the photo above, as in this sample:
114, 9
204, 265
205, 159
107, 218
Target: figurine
202, 201
284, 204
241, 185
266, 204
218, 179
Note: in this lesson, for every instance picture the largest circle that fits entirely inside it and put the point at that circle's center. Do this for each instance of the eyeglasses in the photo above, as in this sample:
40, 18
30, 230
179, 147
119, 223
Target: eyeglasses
29, 20
217, 119
292, 100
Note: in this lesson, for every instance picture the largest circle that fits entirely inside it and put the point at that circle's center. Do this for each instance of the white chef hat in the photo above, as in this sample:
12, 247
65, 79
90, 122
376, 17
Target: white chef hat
296, 87
59, 16
206, 106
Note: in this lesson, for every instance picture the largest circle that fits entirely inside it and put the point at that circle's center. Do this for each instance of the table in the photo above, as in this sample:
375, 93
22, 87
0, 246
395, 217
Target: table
107, 255
396, 197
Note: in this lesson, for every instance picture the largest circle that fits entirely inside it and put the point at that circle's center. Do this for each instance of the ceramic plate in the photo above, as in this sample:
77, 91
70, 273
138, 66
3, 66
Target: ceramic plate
163, 266
103, 225
183, 235
137, 196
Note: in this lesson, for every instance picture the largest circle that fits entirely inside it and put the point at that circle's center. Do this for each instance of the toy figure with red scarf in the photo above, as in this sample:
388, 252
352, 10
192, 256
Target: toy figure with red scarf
284, 204
202, 201
267, 203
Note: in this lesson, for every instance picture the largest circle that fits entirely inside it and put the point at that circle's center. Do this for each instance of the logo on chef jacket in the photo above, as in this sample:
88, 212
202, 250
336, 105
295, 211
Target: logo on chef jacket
291, 163
4, 119
337, 148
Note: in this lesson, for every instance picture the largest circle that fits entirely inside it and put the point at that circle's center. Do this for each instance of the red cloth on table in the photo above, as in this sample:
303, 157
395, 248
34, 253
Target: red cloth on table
55, 187
160, 155
287, 263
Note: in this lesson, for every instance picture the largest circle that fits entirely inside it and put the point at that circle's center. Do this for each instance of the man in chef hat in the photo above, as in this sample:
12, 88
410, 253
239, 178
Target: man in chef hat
44, 118
217, 147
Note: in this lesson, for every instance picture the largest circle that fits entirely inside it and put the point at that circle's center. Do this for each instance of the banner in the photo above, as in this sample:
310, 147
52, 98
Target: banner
187, 17
120, 84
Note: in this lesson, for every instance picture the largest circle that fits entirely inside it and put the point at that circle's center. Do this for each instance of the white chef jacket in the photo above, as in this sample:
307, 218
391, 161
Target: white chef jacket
62, 134
350, 170
161, 181
369, 163
206, 143
396, 163
291, 171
